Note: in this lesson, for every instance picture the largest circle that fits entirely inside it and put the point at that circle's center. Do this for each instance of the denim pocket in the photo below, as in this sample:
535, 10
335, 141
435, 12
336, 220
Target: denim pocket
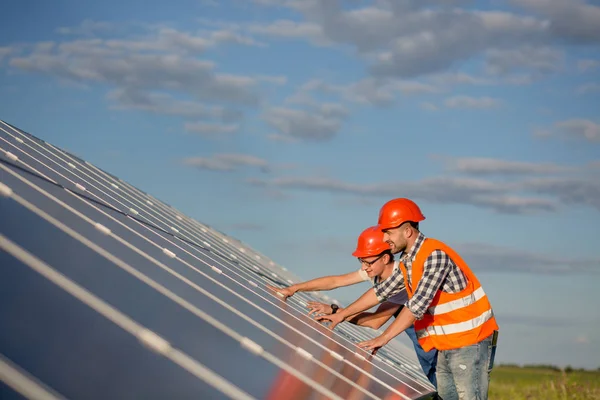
493, 350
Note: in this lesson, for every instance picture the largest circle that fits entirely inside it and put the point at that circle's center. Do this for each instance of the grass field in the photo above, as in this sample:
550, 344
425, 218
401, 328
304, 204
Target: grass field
529, 383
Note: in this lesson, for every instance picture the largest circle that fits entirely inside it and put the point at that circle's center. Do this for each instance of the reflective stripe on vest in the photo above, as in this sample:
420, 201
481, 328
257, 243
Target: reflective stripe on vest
455, 328
457, 304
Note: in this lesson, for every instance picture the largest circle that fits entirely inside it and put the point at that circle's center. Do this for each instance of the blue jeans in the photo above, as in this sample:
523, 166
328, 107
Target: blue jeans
427, 359
464, 373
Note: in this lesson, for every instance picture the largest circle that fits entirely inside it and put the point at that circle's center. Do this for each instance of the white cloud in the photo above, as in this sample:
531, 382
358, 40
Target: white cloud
127, 64
382, 91
571, 20
519, 80
493, 166
471, 102
227, 162
166, 104
87, 27
459, 78
291, 29
576, 128
429, 106
229, 36
157, 71
145, 71
590, 87
521, 193
275, 137
577, 190
480, 193
275, 80
372, 91
503, 259
412, 38
208, 129
587, 65
318, 124
540, 60
5, 52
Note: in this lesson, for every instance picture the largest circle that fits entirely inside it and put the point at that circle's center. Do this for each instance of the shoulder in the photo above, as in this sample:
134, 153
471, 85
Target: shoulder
438, 257
433, 244
363, 275
434, 248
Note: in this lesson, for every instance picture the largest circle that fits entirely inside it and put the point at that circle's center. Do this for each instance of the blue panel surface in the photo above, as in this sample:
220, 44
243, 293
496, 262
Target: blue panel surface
78, 352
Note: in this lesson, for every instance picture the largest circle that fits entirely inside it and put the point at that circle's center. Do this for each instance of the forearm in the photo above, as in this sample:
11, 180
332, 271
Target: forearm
366, 301
368, 319
403, 321
323, 283
375, 319
362, 319
353, 319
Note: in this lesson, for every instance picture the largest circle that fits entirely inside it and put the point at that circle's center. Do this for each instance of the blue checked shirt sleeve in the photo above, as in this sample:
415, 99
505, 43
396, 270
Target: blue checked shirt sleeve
391, 286
436, 268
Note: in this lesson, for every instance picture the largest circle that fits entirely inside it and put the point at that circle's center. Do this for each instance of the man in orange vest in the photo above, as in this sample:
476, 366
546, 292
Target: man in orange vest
377, 266
446, 303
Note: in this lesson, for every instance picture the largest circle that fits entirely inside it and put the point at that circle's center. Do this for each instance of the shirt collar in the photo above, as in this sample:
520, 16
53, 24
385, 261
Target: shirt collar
410, 255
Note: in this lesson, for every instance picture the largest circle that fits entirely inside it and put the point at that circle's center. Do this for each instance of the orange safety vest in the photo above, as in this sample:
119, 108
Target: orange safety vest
453, 320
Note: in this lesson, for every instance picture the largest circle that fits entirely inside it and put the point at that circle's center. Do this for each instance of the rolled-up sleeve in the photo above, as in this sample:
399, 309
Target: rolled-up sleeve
363, 275
435, 270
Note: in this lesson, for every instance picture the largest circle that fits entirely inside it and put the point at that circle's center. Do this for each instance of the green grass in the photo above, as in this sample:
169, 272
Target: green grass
516, 383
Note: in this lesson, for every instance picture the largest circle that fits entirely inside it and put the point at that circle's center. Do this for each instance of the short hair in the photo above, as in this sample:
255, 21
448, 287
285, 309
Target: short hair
389, 253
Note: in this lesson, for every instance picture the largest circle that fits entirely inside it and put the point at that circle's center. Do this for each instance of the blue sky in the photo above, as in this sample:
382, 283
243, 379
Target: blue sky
287, 124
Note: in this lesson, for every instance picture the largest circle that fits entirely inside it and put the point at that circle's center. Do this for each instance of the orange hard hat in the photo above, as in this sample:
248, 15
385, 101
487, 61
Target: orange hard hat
397, 211
370, 243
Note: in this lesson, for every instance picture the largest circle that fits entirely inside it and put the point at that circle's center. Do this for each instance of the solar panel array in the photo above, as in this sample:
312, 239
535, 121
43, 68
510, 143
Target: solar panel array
107, 292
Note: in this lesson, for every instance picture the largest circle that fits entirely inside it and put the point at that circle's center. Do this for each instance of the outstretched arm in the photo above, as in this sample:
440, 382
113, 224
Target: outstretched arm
323, 283
374, 320
366, 301
402, 322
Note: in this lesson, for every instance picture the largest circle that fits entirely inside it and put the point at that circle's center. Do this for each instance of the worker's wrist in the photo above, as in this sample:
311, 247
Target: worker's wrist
387, 336
342, 312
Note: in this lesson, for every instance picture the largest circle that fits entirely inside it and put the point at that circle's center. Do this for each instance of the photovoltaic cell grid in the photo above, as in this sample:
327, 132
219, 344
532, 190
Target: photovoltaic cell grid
107, 292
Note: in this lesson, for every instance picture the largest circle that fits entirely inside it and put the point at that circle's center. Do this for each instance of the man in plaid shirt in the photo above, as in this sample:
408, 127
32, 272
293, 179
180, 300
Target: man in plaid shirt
439, 269
447, 305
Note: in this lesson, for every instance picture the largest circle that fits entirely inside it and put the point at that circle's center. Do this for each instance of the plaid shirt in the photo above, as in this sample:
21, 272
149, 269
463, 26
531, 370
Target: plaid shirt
438, 271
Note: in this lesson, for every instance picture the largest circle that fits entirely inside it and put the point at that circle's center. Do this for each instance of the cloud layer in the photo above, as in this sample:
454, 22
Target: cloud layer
158, 70
407, 47
507, 260
410, 38
525, 187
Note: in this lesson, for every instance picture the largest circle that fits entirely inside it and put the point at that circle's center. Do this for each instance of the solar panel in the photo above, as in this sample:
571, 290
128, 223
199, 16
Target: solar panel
108, 292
